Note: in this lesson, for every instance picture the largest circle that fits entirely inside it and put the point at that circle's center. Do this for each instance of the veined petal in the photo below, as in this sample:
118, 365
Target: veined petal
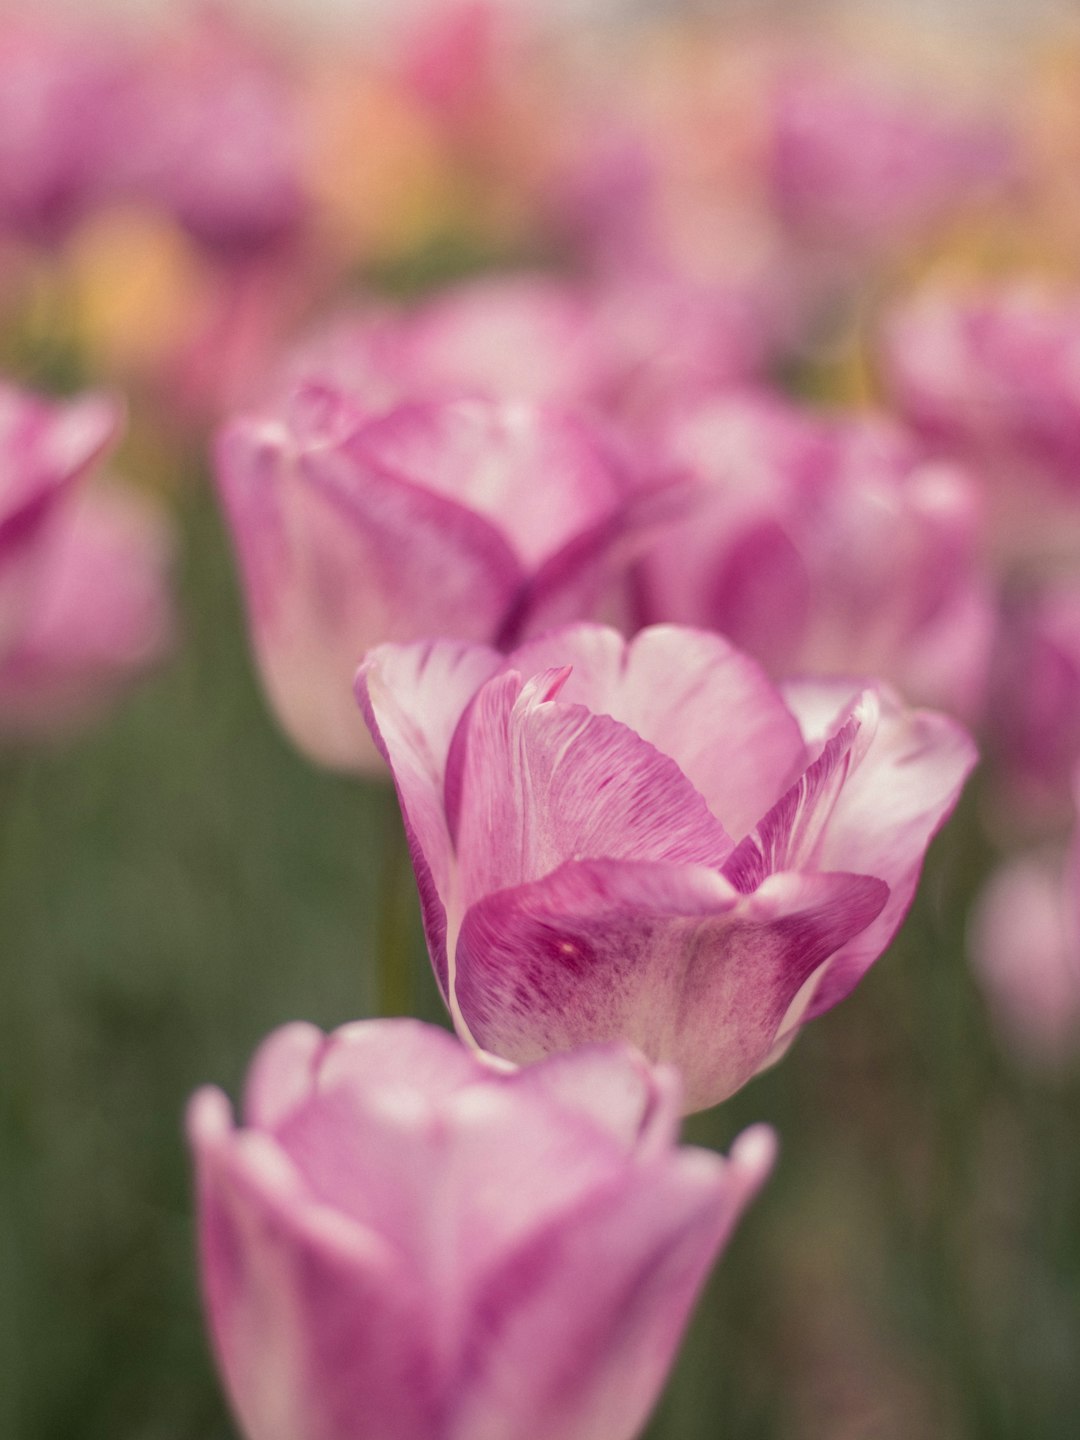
791, 835
543, 782
672, 958
890, 808
413, 698
666, 684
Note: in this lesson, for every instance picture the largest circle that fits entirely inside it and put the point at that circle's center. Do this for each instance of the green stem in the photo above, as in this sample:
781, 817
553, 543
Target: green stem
395, 989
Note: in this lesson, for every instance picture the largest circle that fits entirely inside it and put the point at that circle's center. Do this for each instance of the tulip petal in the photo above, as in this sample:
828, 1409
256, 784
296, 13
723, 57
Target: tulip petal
97, 610
338, 1338
535, 474
672, 958
663, 684
791, 835
298, 1059
413, 698
637, 1103
576, 1331
540, 780
893, 802
338, 555
582, 577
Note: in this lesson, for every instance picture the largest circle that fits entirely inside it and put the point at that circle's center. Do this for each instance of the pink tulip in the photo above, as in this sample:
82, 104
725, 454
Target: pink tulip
647, 841
59, 90
83, 601
826, 547
1024, 942
622, 349
403, 1242
991, 377
475, 519
218, 139
1035, 709
859, 166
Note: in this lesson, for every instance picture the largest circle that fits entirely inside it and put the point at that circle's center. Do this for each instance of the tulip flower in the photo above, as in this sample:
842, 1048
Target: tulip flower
619, 350
1035, 705
402, 1242
989, 377
647, 841
826, 547
474, 519
83, 599
1024, 944
60, 86
859, 167
218, 139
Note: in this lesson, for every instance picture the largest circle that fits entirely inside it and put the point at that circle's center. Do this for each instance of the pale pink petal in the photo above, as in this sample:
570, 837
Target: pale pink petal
792, 834
671, 958
638, 1103
413, 698
1024, 942
98, 610
314, 1319
584, 576
892, 804
520, 336
601, 1303
297, 1060
338, 556
536, 474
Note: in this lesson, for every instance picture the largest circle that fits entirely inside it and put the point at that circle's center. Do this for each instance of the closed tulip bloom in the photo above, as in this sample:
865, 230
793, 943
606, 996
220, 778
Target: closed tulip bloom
646, 840
401, 1242
826, 547
475, 519
84, 600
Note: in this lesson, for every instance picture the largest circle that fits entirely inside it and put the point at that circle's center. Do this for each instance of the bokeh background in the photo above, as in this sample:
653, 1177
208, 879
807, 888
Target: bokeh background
175, 880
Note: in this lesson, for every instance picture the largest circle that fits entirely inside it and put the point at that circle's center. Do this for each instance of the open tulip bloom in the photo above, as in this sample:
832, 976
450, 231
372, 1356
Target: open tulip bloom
405, 1242
649, 841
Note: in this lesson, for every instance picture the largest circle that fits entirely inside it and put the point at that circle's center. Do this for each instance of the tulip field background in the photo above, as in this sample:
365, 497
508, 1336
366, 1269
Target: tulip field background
176, 879
178, 882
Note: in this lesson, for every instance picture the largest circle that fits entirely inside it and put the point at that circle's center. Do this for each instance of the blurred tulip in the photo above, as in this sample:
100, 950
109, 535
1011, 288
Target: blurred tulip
1035, 704
405, 1243
474, 519
827, 548
1024, 942
647, 841
619, 348
60, 86
860, 167
217, 138
83, 600
991, 377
